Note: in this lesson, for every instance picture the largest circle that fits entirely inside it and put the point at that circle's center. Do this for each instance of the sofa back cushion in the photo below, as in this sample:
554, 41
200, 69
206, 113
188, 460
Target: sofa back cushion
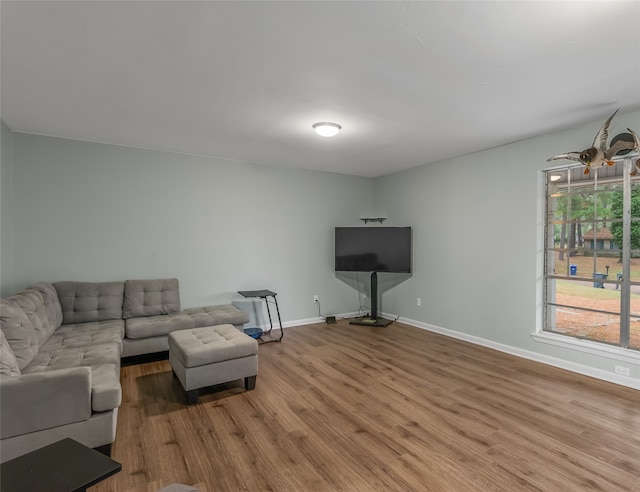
18, 331
52, 307
8, 362
84, 302
32, 302
151, 297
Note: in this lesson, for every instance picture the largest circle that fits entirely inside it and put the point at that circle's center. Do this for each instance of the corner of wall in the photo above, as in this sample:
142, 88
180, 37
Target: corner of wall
6, 164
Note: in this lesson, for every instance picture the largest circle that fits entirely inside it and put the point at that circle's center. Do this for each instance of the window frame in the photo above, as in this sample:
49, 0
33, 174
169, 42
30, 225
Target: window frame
545, 333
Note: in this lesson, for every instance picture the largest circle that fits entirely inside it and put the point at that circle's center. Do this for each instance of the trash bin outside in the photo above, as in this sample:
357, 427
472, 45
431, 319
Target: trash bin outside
599, 276
573, 270
619, 276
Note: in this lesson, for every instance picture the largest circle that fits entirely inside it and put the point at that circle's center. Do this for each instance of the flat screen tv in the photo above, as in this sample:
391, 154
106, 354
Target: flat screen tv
373, 249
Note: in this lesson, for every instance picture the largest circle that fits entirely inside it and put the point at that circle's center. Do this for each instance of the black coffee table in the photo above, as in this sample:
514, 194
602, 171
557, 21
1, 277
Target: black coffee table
64, 466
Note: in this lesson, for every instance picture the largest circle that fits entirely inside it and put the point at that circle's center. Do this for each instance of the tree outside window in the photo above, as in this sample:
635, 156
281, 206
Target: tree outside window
592, 269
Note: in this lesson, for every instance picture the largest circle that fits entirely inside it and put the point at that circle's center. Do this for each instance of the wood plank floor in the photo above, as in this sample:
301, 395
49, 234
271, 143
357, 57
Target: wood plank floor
355, 408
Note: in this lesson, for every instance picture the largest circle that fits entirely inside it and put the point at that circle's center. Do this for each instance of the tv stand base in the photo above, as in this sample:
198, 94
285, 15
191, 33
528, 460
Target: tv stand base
367, 321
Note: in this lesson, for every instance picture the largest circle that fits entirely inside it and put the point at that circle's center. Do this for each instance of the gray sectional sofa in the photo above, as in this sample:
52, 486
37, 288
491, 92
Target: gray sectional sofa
61, 346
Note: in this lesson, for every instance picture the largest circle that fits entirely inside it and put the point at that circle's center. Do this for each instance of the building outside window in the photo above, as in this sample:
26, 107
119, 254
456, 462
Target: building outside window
592, 253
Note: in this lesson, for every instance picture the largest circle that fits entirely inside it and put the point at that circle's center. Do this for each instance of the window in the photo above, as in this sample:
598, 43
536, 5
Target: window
592, 254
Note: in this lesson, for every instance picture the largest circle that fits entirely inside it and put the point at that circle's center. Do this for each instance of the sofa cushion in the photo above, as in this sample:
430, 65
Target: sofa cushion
19, 331
52, 307
217, 315
104, 361
151, 297
32, 303
90, 301
155, 326
8, 363
50, 358
87, 334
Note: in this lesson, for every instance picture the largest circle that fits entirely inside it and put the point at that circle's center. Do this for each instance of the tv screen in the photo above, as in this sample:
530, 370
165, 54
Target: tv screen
373, 249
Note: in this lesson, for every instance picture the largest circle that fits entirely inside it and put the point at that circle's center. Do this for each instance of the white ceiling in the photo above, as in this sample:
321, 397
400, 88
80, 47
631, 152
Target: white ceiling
410, 82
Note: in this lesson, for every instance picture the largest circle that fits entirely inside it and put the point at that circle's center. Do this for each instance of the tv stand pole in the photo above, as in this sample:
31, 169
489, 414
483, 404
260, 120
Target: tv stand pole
372, 320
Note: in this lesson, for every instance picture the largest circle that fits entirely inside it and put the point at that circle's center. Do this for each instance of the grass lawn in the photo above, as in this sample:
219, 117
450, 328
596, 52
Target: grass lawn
591, 325
585, 266
576, 289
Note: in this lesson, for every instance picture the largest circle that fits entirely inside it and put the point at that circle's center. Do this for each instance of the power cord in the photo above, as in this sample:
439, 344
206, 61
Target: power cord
327, 319
320, 315
363, 310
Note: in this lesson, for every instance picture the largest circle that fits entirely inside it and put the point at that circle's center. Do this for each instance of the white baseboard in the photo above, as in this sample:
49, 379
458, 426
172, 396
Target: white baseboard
603, 375
307, 321
527, 354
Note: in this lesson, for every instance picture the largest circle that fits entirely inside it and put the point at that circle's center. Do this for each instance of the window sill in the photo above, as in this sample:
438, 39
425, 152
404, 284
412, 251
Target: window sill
589, 347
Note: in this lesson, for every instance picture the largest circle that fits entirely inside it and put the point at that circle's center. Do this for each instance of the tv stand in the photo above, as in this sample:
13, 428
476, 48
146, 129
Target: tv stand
372, 320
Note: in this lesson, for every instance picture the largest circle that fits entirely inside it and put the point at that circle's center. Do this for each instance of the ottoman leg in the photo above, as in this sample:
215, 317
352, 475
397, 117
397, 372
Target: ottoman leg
192, 396
250, 382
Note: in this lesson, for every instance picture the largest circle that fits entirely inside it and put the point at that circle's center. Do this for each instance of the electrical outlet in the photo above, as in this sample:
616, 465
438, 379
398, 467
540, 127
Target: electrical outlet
316, 298
622, 370
419, 301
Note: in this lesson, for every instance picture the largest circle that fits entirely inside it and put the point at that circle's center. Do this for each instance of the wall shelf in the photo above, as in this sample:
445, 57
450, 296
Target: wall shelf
373, 219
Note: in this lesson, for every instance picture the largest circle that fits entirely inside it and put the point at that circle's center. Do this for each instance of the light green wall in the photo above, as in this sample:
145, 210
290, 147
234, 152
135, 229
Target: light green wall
95, 212
476, 240
5, 209
87, 211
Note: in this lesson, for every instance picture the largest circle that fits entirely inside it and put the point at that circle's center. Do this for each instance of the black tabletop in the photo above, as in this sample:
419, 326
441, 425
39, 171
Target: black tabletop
64, 466
257, 293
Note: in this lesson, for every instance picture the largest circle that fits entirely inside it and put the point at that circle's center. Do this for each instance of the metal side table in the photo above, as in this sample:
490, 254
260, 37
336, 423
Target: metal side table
265, 294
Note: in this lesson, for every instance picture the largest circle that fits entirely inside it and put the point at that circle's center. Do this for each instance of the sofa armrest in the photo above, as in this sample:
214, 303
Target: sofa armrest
33, 402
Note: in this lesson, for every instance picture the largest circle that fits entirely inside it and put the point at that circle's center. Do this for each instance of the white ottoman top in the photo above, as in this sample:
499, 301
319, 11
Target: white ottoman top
210, 344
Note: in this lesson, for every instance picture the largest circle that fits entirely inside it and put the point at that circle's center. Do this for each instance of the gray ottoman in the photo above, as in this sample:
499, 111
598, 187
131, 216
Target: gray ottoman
202, 357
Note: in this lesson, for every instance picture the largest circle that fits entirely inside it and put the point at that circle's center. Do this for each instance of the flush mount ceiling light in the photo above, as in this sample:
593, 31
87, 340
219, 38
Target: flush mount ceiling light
326, 129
